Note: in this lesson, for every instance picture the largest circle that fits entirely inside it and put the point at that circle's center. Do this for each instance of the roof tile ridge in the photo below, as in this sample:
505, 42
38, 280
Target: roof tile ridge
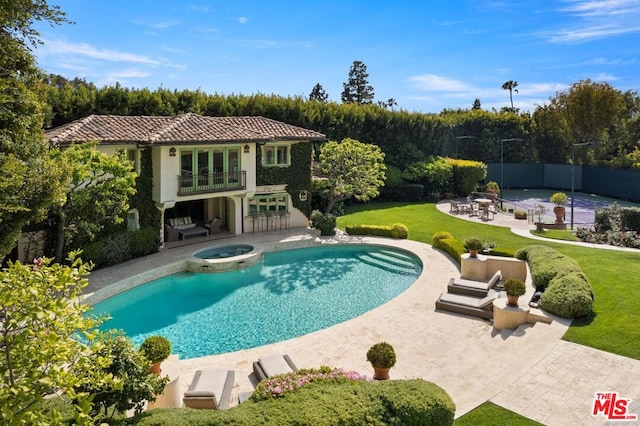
244, 128
178, 119
75, 125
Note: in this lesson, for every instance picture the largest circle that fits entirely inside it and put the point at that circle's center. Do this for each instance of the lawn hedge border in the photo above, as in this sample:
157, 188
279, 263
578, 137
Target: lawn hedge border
397, 230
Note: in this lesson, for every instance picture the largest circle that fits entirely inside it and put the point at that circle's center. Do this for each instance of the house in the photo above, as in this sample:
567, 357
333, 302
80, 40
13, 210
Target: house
249, 174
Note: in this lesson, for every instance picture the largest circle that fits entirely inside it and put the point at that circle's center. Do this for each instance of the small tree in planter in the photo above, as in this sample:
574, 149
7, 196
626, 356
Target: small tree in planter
559, 199
493, 188
382, 357
514, 288
156, 349
473, 245
326, 223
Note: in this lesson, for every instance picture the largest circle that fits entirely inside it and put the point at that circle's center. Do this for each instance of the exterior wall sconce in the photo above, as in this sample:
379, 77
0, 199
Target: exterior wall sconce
172, 152
303, 195
247, 149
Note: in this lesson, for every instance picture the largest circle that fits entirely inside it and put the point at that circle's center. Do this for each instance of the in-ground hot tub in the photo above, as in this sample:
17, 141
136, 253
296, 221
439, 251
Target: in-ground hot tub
224, 258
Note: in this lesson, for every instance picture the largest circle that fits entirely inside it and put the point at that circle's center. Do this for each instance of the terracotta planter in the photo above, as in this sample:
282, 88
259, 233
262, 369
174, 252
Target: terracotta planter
155, 368
512, 300
473, 253
559, 212
381, 373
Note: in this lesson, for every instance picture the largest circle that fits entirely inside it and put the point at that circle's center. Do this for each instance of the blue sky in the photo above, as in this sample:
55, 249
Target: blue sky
427, 55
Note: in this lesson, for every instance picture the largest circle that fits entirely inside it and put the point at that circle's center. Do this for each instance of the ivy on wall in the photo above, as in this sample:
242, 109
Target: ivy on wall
297, 176
143, 199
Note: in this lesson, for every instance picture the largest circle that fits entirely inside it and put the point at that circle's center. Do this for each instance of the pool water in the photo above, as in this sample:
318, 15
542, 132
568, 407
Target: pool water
223, 252
289, 294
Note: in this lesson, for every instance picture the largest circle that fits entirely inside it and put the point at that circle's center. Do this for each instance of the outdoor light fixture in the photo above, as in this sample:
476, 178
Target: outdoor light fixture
247, 149
172, 152
573, 160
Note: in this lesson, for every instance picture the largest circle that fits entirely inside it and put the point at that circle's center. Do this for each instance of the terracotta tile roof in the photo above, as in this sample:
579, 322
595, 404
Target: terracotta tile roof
182, 129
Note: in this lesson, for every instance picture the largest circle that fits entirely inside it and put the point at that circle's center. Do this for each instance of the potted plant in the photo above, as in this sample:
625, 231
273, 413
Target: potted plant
559, 199
156, 349
473, 245
493, 189
514, 288
540, 211
382, 357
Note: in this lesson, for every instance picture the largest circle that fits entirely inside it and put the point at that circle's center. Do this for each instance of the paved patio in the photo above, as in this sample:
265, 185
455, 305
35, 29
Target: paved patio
530, 371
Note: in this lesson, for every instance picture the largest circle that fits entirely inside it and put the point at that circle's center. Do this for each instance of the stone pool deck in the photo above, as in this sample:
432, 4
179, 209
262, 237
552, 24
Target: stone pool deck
530, 370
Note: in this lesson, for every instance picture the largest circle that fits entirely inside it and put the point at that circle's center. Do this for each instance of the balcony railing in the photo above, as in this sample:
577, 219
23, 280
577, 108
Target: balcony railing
211, 182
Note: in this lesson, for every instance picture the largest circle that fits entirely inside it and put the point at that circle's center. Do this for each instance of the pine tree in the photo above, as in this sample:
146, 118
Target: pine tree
357, 89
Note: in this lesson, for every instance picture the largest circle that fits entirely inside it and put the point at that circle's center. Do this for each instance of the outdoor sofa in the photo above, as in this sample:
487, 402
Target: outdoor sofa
272, 365
472, 287
210, 389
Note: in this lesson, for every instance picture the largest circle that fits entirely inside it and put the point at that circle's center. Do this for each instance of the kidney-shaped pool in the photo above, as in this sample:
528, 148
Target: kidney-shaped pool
289, 294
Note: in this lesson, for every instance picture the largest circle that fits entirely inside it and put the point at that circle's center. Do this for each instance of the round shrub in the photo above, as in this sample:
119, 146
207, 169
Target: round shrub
440, 235
325, 223
566, 300
473, 244
399, 230
515, 287
381, 355
156, 348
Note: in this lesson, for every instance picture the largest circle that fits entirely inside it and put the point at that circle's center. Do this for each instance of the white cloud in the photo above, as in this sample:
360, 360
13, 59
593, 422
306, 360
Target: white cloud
432, 82
128, 73
603, 76
58, 47
606, 8
158, 25
243, 19
580, 35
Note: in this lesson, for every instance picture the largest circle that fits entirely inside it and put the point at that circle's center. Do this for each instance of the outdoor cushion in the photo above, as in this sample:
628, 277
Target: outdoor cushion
480, 285
183, 227
210, 389
274, 364
473, 302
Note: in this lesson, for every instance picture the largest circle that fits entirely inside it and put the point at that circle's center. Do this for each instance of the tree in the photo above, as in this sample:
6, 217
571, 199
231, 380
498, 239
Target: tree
476, 104
510, 85
357, 89
98, 190
318, 94
389, 103
28, 182
40, 322
351, 169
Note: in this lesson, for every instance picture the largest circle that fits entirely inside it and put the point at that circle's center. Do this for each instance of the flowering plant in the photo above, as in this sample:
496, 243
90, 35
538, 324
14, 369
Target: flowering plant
282, 384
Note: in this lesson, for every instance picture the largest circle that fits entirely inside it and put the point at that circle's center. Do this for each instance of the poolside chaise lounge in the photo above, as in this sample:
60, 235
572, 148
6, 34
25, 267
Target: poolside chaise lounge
472, 287
272, 365
210, 389
468, 305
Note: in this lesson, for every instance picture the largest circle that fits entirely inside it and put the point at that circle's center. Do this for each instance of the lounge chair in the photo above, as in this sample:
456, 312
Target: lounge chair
273, 365
467, 305
472, 287
210, 389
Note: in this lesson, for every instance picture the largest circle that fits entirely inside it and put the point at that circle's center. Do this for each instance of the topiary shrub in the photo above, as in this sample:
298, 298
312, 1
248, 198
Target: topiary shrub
156, 348
502, 252
568, 292
568, 296
445, 241
325, 223
381, 355
397, 230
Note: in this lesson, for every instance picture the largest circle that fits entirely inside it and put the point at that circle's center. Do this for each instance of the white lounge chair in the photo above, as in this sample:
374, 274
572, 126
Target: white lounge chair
472, 287
273, 365
210, 389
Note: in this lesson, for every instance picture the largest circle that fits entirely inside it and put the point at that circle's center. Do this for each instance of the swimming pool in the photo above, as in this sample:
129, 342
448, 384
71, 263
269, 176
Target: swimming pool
289, 294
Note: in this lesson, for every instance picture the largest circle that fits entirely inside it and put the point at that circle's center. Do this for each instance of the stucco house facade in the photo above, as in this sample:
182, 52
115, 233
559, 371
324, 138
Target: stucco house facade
229, 170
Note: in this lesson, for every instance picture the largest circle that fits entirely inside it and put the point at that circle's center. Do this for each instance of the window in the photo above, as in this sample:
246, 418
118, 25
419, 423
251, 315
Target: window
275, 155
269, 204
133, 155
206, 168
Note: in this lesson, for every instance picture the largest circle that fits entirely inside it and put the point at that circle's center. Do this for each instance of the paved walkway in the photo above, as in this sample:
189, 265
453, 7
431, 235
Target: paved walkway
530, 371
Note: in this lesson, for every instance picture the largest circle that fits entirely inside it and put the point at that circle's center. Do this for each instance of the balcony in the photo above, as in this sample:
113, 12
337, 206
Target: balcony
204, 183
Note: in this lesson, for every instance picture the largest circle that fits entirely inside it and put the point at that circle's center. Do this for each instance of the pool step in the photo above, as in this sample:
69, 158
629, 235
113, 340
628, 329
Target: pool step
390, 261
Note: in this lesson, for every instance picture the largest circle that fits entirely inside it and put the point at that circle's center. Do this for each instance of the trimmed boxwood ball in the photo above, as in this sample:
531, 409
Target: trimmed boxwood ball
156, 348
399, 230
381, 355
515, 287
473, 244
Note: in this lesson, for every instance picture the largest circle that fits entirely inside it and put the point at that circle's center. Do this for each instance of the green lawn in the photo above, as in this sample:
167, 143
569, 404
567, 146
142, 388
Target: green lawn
613, 326
490, 414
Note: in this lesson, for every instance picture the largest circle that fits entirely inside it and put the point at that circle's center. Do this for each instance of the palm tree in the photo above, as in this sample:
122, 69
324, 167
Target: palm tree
511, 87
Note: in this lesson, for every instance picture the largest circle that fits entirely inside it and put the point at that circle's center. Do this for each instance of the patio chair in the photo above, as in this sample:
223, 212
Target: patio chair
273, 365
467, 305
472, 287
210, 389
454, 207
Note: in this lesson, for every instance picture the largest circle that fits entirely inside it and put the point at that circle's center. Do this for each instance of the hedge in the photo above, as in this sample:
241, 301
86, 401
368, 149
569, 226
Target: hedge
399, 402
397, 230
445, 241
567, 291
121, 246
